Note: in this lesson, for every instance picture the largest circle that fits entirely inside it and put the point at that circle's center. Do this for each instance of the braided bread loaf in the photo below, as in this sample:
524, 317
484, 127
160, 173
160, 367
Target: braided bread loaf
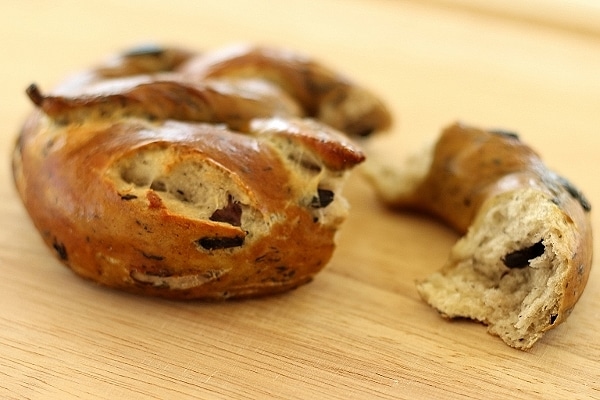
526, 253
168, 173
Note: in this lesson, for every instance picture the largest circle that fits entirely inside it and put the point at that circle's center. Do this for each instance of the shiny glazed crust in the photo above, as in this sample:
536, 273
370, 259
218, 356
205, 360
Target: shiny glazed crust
146, 176
526, 253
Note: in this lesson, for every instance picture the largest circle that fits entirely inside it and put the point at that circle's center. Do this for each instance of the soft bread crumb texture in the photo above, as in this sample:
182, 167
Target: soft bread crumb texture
202, 189
517, 303
397, 182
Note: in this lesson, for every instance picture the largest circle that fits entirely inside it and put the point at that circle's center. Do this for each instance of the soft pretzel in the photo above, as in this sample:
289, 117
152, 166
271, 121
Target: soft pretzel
146, 176
526, 253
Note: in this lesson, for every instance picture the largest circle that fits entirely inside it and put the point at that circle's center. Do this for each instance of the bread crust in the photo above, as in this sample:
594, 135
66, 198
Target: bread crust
520, 221
142, 178
323, 93
471, 165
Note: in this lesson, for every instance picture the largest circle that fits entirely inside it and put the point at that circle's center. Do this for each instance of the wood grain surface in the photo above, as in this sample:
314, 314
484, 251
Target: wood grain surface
359, 330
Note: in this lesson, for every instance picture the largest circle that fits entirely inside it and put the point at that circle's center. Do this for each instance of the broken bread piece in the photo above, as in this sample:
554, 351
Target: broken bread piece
526, 253
147, 179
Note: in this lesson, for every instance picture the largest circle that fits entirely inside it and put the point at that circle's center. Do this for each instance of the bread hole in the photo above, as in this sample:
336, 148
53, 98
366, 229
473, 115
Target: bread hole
142, 168
195, 188
521, 258
136, 177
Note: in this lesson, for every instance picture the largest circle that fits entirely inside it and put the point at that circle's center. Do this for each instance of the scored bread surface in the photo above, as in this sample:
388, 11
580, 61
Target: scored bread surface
146, 175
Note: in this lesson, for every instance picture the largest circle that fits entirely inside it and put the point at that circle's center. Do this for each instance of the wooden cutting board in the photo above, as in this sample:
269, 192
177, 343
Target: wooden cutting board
359, 330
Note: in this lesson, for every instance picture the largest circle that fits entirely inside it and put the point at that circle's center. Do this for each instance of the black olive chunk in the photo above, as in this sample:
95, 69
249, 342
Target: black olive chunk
145, 50
215, 243
61, 250
575, 193
230, 214
521, 258
502, 132
323, 199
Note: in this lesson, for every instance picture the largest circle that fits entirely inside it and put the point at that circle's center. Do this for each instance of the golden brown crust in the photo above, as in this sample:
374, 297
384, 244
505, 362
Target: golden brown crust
231, 103
108, 234
143, 180
580, 263
323, 93
146, 59
471, 165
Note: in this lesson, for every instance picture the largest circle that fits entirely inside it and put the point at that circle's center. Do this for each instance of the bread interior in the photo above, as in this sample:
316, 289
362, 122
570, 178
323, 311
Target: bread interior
506, 271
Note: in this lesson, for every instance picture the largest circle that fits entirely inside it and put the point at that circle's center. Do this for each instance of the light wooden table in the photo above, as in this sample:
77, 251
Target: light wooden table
359, 329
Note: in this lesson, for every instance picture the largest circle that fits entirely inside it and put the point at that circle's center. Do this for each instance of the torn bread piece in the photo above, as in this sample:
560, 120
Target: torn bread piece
526, 253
